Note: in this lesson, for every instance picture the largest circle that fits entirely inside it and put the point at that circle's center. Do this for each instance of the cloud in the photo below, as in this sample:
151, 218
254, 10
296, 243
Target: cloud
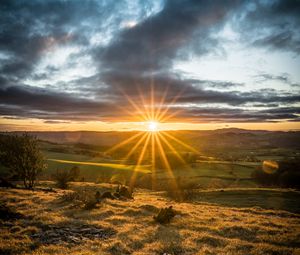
283, 78
200, 114
56, 122
155, 42
25, 101
270, 24
131, 61
33, 102
28, 29
281, 40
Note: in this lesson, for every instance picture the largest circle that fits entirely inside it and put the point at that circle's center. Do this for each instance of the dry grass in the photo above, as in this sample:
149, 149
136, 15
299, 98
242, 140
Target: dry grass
201, 228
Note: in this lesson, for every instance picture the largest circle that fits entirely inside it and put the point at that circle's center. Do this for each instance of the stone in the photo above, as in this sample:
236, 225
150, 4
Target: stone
107, 194
124, 192
165, 215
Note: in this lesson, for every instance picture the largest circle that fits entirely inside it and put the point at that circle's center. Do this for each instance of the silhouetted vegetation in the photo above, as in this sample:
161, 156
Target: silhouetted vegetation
6, 184
21, 155
7, 213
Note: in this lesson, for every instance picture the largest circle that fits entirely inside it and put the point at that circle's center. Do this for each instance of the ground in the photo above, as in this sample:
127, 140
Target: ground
52, 224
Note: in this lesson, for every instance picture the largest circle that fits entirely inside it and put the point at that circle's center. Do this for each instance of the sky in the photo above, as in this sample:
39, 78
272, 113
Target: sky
115, 65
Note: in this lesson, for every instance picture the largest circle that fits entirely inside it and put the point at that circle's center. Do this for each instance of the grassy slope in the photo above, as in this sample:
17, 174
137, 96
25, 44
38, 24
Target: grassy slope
234, 224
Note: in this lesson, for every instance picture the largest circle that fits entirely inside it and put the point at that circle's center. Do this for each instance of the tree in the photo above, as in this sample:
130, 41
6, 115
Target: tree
21, 154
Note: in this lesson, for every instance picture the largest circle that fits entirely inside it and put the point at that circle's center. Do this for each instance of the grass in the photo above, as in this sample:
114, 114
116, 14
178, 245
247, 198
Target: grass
204, 173
233, 221
92, 168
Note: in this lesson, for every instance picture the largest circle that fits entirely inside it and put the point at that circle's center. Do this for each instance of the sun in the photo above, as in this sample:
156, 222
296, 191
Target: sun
153, 145
152, 126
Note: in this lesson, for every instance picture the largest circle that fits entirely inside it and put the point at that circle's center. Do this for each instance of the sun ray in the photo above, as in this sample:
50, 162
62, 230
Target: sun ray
162, 101
140, 115
162, 115
169, 116
134, 105
181, 142
153, 169
171, 147
148, 116
119, 145
134, 147
167, 165
164, 157
139, 111
152, 98
141, 157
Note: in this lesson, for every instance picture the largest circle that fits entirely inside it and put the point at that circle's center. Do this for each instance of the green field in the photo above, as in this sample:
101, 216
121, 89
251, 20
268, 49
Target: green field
206, 174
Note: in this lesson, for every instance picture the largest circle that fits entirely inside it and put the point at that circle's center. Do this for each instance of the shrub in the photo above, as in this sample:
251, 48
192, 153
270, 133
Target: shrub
63, 177
74, 173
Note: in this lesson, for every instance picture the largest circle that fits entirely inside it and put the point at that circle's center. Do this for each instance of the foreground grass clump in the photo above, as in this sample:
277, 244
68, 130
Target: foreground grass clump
56, 223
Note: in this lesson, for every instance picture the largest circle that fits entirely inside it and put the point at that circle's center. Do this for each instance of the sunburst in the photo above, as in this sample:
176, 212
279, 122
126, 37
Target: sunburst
152, 141
153, 126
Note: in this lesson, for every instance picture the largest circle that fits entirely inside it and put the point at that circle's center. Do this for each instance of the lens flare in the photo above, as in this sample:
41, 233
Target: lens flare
270, 166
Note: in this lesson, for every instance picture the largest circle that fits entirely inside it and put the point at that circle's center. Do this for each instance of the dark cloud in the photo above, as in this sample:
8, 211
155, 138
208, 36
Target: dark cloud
200, 114
154, 43
271, 24
44, 104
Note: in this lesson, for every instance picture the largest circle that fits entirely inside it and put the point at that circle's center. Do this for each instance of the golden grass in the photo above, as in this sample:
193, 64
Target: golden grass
200, 228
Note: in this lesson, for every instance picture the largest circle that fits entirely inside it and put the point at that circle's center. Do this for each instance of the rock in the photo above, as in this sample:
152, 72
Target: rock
165, 215
107, 194
71, 235
124, 192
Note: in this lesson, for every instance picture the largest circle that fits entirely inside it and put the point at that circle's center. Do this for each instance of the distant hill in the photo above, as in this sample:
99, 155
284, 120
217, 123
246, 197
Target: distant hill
200, 139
